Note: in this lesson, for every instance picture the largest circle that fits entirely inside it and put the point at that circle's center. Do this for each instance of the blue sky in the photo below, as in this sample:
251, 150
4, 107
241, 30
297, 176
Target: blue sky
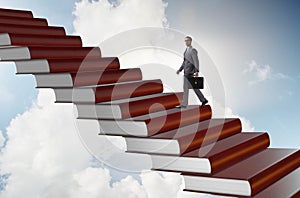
235, 32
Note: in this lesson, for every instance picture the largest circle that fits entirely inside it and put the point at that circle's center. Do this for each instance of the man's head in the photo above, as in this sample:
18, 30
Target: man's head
188, 40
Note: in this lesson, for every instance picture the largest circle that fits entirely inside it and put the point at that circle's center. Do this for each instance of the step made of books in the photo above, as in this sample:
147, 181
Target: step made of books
13, 20
32, 29
24, 53
216, 156
90, 78
107, 92
129, 107
67, 65
10, 39
16, 13
186, 138
249, 176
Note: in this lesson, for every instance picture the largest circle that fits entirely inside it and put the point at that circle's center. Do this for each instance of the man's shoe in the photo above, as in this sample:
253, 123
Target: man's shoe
180, 106
205, 102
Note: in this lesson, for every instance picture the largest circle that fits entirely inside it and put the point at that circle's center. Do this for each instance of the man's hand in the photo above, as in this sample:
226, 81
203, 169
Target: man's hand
177, 72
196, 74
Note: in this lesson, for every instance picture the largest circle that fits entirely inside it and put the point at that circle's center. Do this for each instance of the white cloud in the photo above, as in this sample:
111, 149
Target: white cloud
2, 139
98, 20
219, 111
262, 73
95, 182
42, 150
246, 124
156, 183
153, 185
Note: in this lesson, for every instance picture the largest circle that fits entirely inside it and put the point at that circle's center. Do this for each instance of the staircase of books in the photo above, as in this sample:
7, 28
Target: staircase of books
213, 155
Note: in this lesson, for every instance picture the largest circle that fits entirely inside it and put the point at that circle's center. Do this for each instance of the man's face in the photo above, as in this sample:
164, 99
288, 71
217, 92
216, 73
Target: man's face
187, 41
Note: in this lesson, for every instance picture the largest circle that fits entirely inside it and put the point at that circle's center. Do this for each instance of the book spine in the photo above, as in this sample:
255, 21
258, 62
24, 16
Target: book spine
274, 172
235, 154
23, 21
48, 40
86, 64
288, 186
16, 13
208, 136
122, 75
141, 107
106, 77
64, 52
31, 29
296, 195
114, 92
178, 119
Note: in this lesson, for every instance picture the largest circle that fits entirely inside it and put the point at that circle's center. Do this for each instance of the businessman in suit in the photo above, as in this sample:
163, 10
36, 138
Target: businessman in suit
191, 68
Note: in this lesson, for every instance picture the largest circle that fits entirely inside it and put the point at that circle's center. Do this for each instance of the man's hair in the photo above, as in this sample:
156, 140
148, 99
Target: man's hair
189, 37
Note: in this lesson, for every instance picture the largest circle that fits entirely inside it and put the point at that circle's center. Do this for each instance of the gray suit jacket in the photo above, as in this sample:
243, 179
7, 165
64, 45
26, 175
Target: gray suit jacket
191, 62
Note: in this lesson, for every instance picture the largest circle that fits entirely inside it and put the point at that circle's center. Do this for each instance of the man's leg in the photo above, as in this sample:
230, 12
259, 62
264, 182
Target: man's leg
200, 95
185, 92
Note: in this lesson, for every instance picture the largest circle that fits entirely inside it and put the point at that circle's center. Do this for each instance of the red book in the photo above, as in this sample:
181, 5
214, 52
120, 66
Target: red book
296, 195
130, 107
31, 29
214, 157
116, 91
15, 13
185, 138
106, 77
159, 122
128, 90
140, 107
167, 121
7, 39
248, 177
23, 21
68, 65
208, 132
232, 149
69, 80
288, 186
23, 53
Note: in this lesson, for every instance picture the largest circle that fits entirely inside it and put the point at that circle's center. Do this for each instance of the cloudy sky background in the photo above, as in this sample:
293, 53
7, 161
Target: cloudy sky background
254, 44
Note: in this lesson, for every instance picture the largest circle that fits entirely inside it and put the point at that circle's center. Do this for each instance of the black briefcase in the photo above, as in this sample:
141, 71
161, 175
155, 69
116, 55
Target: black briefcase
195, 82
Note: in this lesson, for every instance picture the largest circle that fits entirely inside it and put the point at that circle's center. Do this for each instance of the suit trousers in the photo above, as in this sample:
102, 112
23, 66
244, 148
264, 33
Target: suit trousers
186, 92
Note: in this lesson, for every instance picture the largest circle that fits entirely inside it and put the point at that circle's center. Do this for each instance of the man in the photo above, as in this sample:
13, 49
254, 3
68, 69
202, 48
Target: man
191, 68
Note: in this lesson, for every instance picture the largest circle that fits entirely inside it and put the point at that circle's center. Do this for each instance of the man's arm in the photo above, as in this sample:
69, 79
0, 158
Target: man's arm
195, 59
181, 67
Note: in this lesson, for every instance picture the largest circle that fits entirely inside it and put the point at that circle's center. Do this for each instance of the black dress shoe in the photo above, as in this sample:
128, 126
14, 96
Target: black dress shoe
180, 106
205, 102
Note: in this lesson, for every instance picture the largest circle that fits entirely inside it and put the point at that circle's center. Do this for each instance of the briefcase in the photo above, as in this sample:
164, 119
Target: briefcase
195, 82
